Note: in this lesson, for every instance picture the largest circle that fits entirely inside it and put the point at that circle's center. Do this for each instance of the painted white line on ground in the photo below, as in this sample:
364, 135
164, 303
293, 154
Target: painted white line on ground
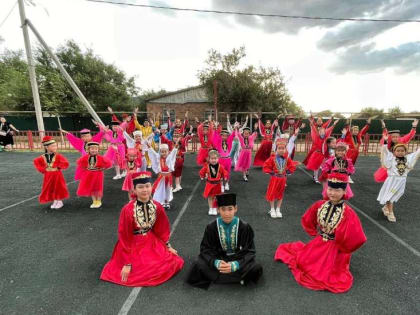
135, 292
380, 226
29, 199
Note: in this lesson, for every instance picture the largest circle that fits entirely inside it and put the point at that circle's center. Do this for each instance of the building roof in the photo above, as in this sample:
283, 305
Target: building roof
195, 94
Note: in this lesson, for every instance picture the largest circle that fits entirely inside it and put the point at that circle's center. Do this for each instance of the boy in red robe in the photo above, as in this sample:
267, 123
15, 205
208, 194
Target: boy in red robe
278, 166
324, 262
214, 173
142, 256
54, 187
92, 181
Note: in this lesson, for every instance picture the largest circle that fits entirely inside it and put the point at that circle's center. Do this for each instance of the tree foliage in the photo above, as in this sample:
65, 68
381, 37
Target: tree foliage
394, 112
246, 88
368, 112
103, 84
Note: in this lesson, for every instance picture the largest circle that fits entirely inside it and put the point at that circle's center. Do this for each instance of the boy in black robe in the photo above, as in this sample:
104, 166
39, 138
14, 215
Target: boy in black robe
227, 251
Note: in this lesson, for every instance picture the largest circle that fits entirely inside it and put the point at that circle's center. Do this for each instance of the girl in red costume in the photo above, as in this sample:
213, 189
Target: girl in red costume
319, 148
354, 139
92, 182
267, 132
214, 173
54, 188
133, 163
182, 142
142, 256
278, 166
324, 262
205, 135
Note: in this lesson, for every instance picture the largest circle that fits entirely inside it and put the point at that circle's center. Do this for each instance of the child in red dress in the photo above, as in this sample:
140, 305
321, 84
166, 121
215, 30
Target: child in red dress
214, 173
133, 163
92, 181
278, 166
182, 142
324, 262
54, 188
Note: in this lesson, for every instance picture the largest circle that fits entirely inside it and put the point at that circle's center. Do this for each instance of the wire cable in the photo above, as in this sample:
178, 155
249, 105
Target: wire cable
8, 15
259, 14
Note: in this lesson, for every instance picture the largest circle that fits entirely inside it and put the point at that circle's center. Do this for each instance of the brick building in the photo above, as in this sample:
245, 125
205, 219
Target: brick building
194, 100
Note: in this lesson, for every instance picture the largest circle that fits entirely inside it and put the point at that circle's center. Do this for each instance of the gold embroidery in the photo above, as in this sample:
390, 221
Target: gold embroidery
50, 164
329, 217
401, 166
92, 162
145, 215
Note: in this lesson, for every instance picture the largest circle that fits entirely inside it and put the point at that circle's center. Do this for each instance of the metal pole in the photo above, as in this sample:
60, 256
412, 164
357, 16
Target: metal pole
31, 69
215, 98
65, 73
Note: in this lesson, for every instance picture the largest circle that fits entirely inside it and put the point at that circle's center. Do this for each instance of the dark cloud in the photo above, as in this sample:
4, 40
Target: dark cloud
403, 59
350, 41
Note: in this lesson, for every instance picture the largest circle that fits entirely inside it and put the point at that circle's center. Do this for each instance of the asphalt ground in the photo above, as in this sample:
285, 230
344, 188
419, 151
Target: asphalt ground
51, 260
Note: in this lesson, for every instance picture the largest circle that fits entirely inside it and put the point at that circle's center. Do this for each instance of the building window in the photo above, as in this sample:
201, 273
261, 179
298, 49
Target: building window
171, 113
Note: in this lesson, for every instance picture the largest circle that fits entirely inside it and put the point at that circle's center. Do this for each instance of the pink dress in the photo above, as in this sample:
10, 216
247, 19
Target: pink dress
224, 148
334, 165
116, 150
245, 156
80, 146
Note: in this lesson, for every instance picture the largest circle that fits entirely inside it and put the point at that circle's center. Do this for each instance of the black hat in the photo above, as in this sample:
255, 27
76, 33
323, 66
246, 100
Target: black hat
224, 131
115, 123
394, 131
141, 178
226, 200
92, 143
246, 128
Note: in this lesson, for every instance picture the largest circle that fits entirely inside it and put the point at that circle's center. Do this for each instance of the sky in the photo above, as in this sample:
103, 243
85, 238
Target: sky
340, 66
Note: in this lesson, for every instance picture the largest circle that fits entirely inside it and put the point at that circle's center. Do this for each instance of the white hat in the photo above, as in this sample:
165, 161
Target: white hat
163, 146
164, 126
284, 136
137, 133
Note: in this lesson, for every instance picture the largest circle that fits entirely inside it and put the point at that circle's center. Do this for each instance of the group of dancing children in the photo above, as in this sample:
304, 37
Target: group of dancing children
143, 255
135, 147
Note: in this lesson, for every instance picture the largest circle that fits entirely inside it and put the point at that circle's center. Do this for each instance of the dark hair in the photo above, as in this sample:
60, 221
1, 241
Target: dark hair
330, 139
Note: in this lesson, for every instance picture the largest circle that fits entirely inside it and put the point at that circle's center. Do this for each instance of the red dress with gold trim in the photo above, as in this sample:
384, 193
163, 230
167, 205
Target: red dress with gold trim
143, 234
179, 163
214, 174
278, 169
324, 262
92, 181
54, 186
206, 144
264, 150
354, 142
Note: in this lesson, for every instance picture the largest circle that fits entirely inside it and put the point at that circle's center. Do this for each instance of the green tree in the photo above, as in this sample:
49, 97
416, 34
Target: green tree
246, 88
325, 113
141, 100
368, 112
103, 84
394, 112
15, 88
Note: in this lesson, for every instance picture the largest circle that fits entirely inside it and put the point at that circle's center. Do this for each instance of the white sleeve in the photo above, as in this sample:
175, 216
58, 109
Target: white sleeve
171, 159
386, 157
291, 144
154, 158
412, 158
130, 141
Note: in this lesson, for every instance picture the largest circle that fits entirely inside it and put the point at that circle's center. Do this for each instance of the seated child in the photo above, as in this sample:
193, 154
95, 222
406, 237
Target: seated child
227, 251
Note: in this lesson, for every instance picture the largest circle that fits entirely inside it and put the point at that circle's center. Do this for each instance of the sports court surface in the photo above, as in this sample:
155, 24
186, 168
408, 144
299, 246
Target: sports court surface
50, 260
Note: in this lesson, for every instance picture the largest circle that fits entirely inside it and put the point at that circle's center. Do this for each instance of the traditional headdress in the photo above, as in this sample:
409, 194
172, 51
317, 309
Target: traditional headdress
338, 180
92, 143
224, 131
114, 122
398, 145
84, 131
342, 144
394, 131
137, 133
164, 126
226, 200
213, 152
246, 128
141, 178
131, 151
47, 140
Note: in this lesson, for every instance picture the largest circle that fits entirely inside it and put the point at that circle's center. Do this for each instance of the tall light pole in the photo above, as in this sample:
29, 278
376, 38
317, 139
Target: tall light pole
31, 69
